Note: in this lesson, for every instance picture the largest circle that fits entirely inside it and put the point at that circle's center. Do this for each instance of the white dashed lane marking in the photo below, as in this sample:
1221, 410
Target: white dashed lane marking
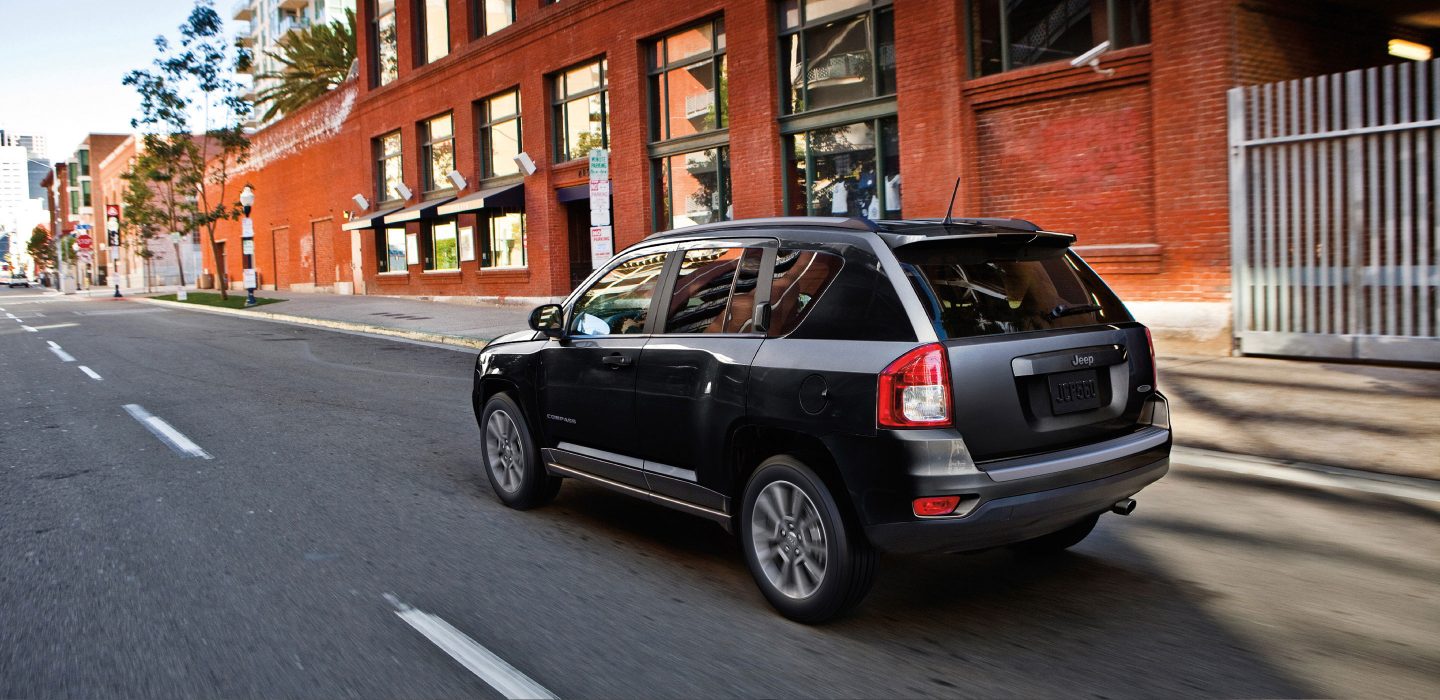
167, 433
60, 353
492, 669
91, 373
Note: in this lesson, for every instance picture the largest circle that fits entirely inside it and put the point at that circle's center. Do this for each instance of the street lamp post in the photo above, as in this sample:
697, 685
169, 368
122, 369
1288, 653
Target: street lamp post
247, 245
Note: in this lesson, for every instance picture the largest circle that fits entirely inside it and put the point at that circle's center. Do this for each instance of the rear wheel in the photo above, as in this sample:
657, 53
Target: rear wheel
512, 462
807, 560
1059, 540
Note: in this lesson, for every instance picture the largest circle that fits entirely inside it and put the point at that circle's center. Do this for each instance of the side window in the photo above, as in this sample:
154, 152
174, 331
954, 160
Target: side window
714, 291
801, 276
620, 301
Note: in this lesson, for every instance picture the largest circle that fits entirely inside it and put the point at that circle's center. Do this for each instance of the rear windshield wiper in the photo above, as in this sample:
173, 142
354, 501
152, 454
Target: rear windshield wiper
1070, 310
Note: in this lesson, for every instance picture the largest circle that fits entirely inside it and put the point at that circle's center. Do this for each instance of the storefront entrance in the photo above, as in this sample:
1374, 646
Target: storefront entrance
577, 215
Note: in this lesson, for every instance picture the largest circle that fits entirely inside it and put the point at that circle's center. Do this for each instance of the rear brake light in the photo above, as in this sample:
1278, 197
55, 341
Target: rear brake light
935, 505
1154, 370
915, 390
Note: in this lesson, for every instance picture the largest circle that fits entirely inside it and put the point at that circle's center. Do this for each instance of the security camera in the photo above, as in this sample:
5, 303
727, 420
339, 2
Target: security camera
1092, 58
361, 201
526, 165
403, 190
458, 179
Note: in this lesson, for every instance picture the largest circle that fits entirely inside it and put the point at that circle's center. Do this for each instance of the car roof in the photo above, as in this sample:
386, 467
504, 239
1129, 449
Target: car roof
894, 232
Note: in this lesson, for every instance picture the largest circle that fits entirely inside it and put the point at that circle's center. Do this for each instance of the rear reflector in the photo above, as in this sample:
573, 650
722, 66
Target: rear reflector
935, 505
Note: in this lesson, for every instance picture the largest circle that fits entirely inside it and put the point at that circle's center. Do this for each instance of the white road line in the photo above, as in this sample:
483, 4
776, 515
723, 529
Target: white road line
91, 373
64, 356
1310, 474
9, 315
55, 325
27, 328
492, 669
52, 343
167, 434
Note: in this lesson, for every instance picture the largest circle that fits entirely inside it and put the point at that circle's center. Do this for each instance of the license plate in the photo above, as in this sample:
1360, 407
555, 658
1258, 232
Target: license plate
1074, 391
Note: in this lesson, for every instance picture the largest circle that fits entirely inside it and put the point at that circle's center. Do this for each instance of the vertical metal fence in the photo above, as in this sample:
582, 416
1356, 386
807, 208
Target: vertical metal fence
1333, 217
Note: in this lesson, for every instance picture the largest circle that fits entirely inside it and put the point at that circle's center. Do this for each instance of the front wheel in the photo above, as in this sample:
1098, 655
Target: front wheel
511, 461
808, 561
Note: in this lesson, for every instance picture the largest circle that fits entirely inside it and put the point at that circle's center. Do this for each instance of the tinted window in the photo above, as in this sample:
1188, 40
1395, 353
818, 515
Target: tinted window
801, 276
619, 303
970, 298
715, 291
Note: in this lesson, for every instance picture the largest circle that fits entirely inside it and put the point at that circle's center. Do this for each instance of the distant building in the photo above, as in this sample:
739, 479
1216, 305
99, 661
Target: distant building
270, 21
36, 151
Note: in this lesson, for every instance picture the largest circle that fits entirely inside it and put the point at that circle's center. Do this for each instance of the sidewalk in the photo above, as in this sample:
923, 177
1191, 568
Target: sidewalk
1380, 419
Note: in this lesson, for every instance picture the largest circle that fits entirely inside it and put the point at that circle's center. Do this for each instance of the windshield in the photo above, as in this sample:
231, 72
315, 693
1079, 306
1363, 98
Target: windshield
996, 296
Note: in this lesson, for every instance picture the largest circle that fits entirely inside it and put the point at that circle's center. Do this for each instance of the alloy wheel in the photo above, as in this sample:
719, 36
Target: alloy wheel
504, 452
789, 539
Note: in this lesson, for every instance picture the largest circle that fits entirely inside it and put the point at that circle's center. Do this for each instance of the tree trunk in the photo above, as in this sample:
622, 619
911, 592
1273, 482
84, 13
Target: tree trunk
180, 264
220, 279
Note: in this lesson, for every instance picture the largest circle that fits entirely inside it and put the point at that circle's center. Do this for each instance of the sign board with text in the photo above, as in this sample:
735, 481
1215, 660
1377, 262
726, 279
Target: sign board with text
599, 164
84, 241
247, 227
251, 277
602, 245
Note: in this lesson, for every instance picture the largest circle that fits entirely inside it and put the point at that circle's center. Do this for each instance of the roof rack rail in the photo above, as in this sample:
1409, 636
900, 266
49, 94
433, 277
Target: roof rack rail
773, 222
1015, 224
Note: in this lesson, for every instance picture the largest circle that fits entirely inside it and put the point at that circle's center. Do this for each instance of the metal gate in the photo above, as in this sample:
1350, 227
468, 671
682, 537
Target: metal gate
1333, 218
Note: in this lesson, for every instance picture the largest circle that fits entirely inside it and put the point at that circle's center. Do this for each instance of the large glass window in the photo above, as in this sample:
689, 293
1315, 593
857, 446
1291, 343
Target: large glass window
619, 303
444, 246
84, 155
693, 188
392, 249
438, 153
74, 201
581, 104
801, 276
836, 52
715, 291
1019, 33
491, 16
387, 167
688, 82
386, 48
505, 244
435, 22
847, 170
499, 134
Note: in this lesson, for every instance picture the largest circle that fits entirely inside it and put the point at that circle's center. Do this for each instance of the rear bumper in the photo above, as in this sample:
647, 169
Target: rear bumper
1010, 519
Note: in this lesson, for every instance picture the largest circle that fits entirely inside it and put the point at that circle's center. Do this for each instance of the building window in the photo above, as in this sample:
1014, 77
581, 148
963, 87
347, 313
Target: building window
85, 193
845, 170
84, 155
387, 168
434, 24
1012, 35
392, 249
384, 42
581, 105
438, 153
836, 52
505, 242
688, 82
491, 16
692, 188
499, 120
72, 173
74, 201
444, 246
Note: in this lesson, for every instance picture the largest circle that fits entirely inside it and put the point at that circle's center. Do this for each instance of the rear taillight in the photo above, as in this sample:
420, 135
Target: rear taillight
1154, 370
915, 390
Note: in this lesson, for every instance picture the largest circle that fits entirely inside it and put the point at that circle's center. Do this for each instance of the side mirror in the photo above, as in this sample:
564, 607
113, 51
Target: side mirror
762, 317
548, 319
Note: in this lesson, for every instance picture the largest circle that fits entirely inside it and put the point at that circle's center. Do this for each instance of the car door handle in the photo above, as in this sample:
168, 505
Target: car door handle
616, 361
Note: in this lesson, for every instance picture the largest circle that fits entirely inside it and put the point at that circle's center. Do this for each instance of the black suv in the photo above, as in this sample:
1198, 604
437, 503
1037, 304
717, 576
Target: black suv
827, 387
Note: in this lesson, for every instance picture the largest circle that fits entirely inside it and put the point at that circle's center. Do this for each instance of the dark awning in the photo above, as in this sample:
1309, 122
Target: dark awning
573, 194
502, 196
416, 212
365, 221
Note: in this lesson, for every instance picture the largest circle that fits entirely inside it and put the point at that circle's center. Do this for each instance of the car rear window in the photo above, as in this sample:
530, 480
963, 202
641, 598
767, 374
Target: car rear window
966, 298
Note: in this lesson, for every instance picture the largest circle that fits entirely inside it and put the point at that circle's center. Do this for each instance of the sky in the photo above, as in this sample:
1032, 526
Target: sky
61, 63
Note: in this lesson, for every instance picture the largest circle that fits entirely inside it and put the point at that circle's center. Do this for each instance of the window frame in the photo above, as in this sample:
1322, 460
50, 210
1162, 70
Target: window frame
377, 68
487, 245
478, 27
382, 250
658, 71
973, 27
422, 32
763, 280
485, 121
559, 102
663, 187
662, 149
430, 189
784, 34
380, 157
431, 262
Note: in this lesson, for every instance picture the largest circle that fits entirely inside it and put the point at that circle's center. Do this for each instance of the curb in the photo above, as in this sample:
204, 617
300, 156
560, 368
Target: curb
422, 336
1410, 487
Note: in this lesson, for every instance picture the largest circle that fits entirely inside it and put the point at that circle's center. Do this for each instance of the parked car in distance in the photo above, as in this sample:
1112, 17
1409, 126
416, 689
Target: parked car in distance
828, 387
19, 279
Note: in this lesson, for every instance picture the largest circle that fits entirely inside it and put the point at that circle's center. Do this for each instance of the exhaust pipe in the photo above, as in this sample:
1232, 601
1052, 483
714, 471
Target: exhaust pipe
1124, 506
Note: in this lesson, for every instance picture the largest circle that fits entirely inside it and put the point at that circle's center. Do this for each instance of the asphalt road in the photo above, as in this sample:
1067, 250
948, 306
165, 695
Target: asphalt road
344, 468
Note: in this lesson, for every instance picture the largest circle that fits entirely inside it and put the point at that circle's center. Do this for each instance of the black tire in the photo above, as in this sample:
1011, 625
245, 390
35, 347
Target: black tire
849, 566
516, 474
1059, 540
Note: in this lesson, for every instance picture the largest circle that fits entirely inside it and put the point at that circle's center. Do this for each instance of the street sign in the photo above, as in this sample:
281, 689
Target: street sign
247, 228
112, 211
251, 278
113, 239
599, 164
602, 246
84, 241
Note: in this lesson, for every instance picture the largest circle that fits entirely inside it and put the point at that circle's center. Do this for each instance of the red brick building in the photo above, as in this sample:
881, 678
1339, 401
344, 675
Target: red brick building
747, 108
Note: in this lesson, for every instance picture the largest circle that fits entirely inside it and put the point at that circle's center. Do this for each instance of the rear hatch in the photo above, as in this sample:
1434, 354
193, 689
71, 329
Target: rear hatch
1043, 356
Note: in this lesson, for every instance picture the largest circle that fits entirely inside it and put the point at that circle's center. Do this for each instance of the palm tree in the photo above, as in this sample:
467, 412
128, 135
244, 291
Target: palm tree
316, 60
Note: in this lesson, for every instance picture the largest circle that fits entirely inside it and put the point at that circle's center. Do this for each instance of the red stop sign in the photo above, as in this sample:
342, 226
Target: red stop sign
84, 241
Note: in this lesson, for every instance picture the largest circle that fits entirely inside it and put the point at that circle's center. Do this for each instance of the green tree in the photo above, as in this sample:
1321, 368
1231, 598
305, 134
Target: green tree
316, 60
41, 248
197, 77
153, 206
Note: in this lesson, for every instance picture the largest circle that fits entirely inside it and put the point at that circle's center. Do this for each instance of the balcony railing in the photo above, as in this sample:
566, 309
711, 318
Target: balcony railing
842, 68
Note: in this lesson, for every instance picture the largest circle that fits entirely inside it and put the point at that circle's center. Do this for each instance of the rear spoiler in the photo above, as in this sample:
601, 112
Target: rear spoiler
980, 245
